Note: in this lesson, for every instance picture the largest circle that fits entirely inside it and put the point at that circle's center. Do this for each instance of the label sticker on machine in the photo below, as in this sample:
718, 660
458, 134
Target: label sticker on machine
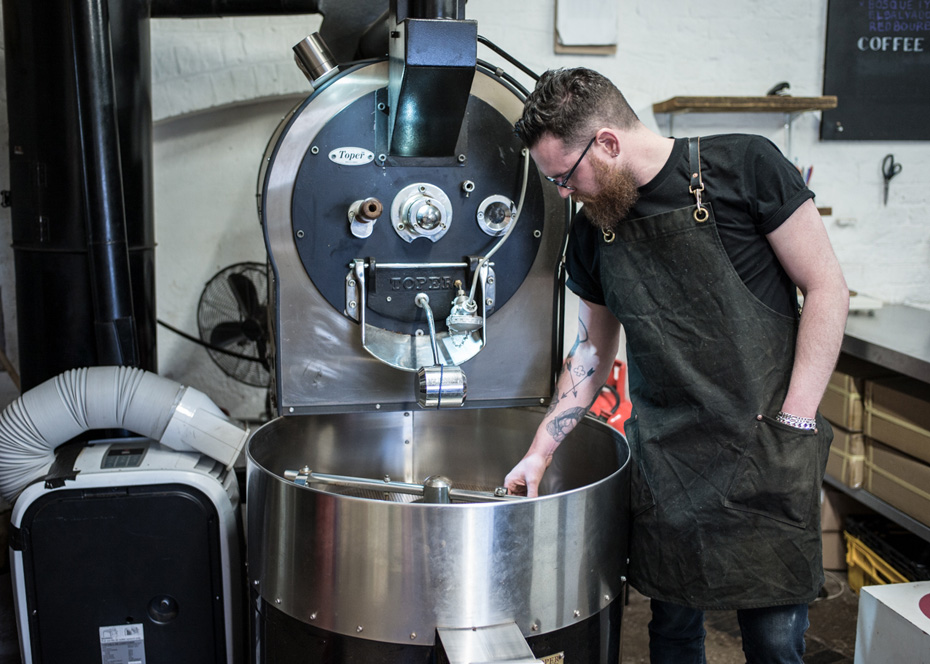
122, 644
557, 658
351, 156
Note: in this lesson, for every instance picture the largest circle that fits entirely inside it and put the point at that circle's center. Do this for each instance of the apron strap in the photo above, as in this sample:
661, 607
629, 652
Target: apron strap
696, 186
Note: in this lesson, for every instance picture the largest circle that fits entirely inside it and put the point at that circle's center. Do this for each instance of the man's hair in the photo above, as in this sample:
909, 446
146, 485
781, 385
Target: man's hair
571, 104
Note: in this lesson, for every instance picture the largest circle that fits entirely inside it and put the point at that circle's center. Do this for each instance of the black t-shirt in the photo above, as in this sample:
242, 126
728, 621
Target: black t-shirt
752, 189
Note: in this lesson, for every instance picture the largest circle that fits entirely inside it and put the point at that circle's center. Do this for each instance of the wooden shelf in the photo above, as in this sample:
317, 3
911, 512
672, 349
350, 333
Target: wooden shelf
786, 104
895, 337
767, 104
894, 514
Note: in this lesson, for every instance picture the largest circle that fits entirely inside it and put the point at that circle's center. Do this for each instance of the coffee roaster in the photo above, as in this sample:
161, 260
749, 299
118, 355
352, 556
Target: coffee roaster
416, 307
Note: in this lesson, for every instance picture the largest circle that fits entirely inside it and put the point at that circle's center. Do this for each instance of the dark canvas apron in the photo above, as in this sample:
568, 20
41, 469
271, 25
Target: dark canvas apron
725, 504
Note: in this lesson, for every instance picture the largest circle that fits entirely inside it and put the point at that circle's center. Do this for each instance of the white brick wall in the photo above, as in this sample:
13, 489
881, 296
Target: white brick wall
668, 48
202, 63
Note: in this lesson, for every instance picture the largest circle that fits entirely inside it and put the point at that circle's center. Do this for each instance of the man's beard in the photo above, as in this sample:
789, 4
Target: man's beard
617, 193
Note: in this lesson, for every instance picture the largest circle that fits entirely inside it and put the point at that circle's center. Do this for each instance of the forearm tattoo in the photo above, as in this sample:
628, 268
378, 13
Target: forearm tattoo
553, 403
577, 373
581, 338
564, 422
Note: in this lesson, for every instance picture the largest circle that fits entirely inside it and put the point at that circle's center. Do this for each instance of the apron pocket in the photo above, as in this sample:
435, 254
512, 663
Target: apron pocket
776, 476
641, 498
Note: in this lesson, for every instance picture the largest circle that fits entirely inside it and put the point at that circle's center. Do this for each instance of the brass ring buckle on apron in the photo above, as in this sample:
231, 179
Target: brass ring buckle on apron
609, 235
697, 184
700, 213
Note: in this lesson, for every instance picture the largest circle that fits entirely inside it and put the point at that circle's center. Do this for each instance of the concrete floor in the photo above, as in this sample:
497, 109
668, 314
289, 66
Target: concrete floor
831, 638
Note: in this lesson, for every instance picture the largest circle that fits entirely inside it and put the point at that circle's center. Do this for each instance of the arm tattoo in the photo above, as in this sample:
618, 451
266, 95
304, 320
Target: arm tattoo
578, 372
573, 371
553, 403
581, 338
564, 422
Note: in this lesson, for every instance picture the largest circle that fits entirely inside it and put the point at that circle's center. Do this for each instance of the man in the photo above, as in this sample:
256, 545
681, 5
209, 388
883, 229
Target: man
696, 248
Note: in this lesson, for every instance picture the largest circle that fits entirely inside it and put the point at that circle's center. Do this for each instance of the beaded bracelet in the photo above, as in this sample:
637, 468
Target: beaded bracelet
796, 421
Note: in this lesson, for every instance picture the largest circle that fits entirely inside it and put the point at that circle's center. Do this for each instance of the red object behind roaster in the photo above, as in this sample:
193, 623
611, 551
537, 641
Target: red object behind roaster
612, 405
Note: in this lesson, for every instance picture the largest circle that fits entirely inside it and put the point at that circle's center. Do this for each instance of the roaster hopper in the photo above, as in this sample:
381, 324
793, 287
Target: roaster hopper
377, 531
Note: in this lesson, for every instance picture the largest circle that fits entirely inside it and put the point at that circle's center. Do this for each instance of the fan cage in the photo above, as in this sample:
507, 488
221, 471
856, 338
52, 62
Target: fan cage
246, 357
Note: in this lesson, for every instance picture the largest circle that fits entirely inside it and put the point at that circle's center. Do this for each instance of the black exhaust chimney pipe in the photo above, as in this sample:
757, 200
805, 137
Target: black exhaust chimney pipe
104, 207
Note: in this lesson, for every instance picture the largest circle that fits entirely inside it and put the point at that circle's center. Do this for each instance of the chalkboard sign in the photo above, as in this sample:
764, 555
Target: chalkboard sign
878, 65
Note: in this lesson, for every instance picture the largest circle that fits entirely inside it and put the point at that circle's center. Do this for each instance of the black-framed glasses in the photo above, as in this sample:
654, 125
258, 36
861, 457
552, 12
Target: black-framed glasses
564, 181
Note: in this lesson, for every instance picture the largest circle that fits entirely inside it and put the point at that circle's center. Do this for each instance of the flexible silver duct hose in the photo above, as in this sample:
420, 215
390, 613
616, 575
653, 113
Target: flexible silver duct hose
80, 400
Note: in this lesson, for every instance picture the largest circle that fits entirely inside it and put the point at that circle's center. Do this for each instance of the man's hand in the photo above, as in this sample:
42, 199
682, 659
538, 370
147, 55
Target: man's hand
524, 479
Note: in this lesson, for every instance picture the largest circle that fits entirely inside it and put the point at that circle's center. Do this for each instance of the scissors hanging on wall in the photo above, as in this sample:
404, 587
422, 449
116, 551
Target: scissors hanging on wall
889, 170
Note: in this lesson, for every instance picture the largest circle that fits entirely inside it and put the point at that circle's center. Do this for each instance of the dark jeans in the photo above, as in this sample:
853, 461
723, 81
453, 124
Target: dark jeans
770, 636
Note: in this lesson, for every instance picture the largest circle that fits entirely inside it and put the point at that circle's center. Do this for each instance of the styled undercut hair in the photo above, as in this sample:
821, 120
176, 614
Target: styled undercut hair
571, 104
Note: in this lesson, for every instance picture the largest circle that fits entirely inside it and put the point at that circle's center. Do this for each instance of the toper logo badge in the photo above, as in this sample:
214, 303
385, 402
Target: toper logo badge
351, 156
421, 283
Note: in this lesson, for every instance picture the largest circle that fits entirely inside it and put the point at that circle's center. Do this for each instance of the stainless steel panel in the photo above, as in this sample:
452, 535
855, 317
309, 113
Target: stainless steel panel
895, 336
394, 572
322, 365
497, 643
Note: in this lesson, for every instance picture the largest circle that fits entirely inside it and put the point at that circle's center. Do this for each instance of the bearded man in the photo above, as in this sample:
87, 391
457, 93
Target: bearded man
697, 247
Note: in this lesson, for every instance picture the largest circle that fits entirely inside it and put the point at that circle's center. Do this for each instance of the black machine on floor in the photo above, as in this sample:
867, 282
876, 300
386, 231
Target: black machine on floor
134, 559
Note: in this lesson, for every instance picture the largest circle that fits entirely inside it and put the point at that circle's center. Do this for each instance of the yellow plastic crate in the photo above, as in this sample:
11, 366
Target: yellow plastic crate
867, 568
